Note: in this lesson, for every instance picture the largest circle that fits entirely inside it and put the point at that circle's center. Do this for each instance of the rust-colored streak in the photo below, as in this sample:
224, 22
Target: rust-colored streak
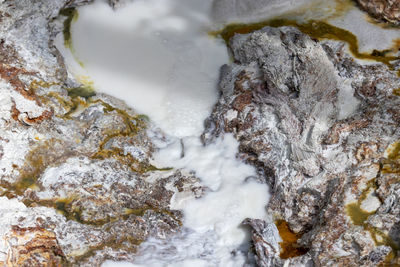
340, 128
289, 246
34, 246
10, 74
243, 100
47, 114
14, 112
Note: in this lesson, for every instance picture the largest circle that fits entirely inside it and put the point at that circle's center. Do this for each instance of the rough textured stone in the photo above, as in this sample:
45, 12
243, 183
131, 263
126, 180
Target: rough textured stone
266, 241
76, 176
316, 124
385, 10
33, 246
75, 165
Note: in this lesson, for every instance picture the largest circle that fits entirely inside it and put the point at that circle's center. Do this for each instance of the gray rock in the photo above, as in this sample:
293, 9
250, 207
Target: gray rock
316, 124
74, 165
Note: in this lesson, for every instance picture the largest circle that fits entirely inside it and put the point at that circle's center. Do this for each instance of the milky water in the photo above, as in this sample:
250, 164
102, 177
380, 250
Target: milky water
157, 56
154, 54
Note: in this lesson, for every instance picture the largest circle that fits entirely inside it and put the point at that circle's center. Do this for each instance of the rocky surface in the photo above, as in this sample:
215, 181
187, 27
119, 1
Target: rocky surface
76, 183
316, 124
384, 10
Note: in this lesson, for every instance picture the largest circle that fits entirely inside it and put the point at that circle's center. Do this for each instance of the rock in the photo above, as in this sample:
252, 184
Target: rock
33, 246
76, 176
74, 165
265, 238
384, 10
316, 124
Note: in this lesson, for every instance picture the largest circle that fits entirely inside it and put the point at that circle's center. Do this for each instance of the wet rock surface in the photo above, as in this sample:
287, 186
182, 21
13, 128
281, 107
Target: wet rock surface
76, 183
316, 125
384, 10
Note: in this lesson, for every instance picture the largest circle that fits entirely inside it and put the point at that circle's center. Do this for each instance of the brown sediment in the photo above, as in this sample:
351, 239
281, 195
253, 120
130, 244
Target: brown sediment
315, 29
289, 246
10, 74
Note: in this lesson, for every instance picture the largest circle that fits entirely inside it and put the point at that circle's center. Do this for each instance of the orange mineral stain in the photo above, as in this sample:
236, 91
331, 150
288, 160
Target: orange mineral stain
289, 246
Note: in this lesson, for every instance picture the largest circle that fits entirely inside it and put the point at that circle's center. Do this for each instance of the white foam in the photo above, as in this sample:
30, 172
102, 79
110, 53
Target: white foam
231, 199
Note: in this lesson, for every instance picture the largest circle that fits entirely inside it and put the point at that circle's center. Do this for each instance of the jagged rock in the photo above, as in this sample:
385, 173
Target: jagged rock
33, 246
266, 241
385, 10
316, 124
75, 165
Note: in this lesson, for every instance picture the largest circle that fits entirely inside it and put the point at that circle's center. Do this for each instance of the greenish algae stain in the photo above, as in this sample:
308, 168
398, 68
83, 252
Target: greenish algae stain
313, 28
82, 91
71, 15
394, 151
37, 160
359, 217
357, 214
133, 124
391, 165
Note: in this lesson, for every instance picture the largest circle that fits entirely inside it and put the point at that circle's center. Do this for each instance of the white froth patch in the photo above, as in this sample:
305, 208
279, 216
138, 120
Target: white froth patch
154, 54
231, 199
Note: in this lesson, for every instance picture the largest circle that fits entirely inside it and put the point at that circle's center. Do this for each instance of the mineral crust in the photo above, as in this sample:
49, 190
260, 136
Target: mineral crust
316, 124
384, 10
76, 181
77, 184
